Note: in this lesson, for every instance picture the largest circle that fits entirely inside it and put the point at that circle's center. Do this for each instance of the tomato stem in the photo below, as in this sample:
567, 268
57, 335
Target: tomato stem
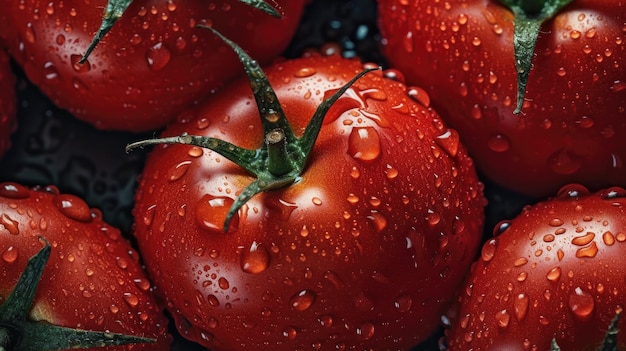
529, 17
6, 339
278, 159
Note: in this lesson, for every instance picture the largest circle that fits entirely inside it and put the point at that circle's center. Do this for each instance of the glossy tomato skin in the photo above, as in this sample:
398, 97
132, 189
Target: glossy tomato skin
572, 126
152, 63
8, 112
93, 279
363, 252
556, 271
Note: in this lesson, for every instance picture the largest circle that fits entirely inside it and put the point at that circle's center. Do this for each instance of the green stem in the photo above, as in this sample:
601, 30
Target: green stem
278, 159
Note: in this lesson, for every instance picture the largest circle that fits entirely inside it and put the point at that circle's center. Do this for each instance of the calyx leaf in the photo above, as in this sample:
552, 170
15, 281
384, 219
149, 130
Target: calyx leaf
17, 332
283, 157
529, 16
116, 8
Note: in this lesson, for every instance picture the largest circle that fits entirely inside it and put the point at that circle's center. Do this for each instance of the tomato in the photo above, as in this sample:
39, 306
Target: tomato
7, 103
151, 64
571, 128
361, 250
555, 271
93, 279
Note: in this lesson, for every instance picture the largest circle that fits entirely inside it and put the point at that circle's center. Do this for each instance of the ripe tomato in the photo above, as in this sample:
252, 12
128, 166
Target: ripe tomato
555, 271
153, 61
362, 251
7, 103
572, 127
93, 279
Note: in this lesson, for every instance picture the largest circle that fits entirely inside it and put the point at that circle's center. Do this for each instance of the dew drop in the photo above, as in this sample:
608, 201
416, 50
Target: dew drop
564, 162
554, 274
131, 299
10, 255
499, 143
366, 330
325, 320
581, 303
256, 259
403, 303
449, 142
158, 56
305, 72
50, 71
501, 227
79, 67
211, 212
364, 143
378, 220
73, 207
290, 333
302, 300
419, 95
588, 251
489, 250
520, 306
13, 191
179, 171
503, 318
572, 192
223, 283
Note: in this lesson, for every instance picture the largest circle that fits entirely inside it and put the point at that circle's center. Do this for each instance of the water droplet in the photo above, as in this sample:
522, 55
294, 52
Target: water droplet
363, 303
256, 259
584, 239
378, 220
449, 142
158, 56
572, 192
390, 171
13, 191
366, 330
131, 299
489, 250
499, 143
290, 333
305, 72
554, 274
29, 33
364, 143
179, 171
79, 67
403, 303
606, 194
520, 306
565, 162
325, 320
588, 251
334, 279
10, 254
419, 95
50, 71
223, 283
73, 207
211, 212
503, 318
501, 227
303, 300
618, 86
581, 303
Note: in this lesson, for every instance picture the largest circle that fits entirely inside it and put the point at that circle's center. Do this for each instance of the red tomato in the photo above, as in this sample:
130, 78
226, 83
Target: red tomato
151, 64
572, 128
7, 103
363, 251
93, 279
556, 271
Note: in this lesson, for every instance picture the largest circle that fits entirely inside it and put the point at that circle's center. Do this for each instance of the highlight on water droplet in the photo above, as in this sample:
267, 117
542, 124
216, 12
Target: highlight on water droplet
302, 300
256, 259
364, 143
581, 303
211, 213
73, 207
158, 56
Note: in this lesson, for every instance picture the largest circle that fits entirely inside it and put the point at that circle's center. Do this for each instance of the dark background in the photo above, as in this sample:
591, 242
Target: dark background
52, 147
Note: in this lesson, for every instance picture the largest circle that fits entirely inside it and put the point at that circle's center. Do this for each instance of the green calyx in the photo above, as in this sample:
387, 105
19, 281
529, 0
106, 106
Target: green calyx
529, 16
283, 157
116, 8
17, 333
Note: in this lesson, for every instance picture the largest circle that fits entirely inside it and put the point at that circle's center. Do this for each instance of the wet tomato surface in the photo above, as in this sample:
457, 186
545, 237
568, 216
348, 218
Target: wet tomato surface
555, 271
572, 122
364, 241
52, 147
